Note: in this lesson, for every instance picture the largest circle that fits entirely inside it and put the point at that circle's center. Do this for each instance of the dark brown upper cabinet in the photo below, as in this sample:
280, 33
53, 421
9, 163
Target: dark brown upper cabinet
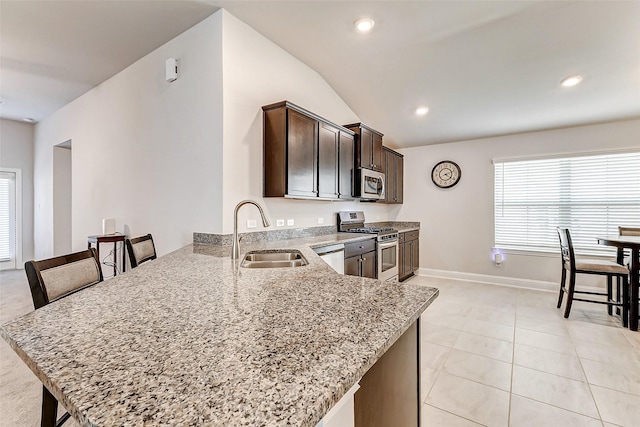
368, 146
393, 170
305, 155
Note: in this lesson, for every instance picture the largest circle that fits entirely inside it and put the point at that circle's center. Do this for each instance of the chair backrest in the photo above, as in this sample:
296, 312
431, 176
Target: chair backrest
629, 231
141, 249
55, 278
566, 249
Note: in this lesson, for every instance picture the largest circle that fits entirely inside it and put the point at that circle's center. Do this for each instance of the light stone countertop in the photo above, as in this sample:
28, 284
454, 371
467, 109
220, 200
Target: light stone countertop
191, 338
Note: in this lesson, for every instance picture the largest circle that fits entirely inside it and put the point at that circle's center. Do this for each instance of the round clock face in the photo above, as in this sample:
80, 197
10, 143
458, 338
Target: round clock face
446, 174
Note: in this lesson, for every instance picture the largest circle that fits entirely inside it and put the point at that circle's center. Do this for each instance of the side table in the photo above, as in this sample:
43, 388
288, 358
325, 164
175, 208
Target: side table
108, 238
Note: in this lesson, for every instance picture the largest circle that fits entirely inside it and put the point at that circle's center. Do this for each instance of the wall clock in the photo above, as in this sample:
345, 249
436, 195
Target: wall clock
446, 174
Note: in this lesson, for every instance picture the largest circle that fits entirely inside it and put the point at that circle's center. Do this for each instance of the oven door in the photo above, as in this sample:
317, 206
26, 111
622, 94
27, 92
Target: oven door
372, 185
388, 261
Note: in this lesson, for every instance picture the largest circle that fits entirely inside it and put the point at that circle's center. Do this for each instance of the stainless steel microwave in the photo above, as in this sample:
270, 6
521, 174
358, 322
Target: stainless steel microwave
371, 185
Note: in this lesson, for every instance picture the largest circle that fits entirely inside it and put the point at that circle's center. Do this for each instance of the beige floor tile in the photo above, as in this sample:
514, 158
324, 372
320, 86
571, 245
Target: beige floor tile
450, 321
624, 357
449, 307
468, 399
554, 390
617, 407
530, 413
484, 370
428, 377
548, 361
554, 327
485, 346
609, 335
545, 341
549, 314
607, 425
434, 417
433, 355
613, 377
434, 334
489, 329
506, 318
633, 337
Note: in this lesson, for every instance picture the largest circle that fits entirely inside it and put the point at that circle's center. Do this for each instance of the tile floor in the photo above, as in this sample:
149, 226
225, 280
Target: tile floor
501, 356
492, 356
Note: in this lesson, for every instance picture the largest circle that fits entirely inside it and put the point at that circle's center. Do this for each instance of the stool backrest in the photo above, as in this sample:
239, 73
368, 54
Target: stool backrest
55, 278
629, 231
141, 249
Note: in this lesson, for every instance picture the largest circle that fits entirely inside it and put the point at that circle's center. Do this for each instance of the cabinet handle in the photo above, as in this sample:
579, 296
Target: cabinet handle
360, 247
364, 259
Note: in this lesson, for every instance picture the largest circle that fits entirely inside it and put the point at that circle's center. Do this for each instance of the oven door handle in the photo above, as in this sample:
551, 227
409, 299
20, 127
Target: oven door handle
387, 244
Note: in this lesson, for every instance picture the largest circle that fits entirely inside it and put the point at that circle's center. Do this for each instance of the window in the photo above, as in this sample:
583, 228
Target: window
590, 194
7, 216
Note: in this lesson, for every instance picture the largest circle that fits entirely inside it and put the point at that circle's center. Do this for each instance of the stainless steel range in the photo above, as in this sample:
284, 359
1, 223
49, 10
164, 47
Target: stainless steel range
386, 242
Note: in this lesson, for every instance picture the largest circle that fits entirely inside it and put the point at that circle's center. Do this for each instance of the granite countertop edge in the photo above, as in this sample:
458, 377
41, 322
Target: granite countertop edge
316, 409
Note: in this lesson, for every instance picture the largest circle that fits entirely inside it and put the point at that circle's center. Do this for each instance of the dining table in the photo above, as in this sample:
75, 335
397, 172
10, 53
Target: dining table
631, 243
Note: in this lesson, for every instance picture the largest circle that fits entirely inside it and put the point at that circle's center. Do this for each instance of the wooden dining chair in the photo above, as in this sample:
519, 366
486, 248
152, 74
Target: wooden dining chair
50, 280
141, 249
572, 266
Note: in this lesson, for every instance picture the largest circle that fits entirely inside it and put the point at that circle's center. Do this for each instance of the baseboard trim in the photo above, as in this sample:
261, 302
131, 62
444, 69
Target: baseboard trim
538, 285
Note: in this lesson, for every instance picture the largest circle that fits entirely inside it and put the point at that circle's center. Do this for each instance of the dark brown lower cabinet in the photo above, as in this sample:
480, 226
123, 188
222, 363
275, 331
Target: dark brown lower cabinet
389, 393
361, 265
408, 254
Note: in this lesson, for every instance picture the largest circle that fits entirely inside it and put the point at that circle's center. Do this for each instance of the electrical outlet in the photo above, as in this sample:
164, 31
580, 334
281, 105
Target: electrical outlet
320, 220
290, 222
279, 222
251, 223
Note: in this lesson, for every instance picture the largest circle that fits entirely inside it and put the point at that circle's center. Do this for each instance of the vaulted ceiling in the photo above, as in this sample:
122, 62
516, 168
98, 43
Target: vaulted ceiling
483, 68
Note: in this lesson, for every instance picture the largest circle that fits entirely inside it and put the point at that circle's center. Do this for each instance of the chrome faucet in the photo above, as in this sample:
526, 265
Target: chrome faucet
235, 248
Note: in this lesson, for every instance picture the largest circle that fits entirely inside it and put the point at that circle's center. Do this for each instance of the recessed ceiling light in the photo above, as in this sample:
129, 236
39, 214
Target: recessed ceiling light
365, 24
571, 80
28, 120
421, 111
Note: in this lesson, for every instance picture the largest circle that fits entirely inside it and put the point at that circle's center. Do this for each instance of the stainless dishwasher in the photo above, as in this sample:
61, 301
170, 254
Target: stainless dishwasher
332, 255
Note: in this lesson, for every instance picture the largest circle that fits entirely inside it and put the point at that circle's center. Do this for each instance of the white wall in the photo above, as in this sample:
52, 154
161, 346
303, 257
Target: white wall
457, 223
62, 201
174, 158
145, 152
257, 72
16, 152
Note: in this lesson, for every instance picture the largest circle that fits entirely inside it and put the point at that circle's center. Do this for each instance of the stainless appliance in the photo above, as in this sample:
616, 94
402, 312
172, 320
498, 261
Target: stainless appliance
386, 242
332, 255
371, 185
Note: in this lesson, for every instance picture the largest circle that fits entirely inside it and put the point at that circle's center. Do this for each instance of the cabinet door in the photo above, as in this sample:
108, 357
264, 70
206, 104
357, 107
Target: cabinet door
399, 178
406, 262
369, 265
376, 151
352, 266
328, 161
302, 152
345, 174
401, 256
415, 255
366, 148
390, 175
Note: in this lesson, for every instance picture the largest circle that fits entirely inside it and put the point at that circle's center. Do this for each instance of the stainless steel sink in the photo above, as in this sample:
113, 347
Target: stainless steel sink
273, 259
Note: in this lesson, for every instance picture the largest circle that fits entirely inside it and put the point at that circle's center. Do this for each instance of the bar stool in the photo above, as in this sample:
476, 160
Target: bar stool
141, 249
573, 266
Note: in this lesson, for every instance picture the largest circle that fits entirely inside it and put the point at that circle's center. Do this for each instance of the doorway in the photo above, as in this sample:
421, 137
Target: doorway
62, 224
10, 218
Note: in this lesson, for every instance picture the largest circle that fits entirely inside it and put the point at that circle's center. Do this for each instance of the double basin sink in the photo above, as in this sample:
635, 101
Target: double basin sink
274, 259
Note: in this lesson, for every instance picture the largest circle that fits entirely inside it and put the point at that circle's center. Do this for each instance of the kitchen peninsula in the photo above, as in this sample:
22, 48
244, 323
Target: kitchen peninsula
192, 338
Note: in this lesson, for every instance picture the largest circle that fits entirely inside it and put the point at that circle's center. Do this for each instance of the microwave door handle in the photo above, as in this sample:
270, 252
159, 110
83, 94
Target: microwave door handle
379, 186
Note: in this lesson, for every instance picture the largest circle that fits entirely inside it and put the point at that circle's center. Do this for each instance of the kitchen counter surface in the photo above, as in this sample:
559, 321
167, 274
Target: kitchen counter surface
191, 338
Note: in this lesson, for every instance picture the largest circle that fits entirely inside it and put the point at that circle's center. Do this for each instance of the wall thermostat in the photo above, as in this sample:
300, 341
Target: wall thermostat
172, 69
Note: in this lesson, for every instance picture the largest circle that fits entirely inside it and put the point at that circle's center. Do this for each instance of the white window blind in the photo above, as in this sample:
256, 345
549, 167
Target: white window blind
7, 215
591, 195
